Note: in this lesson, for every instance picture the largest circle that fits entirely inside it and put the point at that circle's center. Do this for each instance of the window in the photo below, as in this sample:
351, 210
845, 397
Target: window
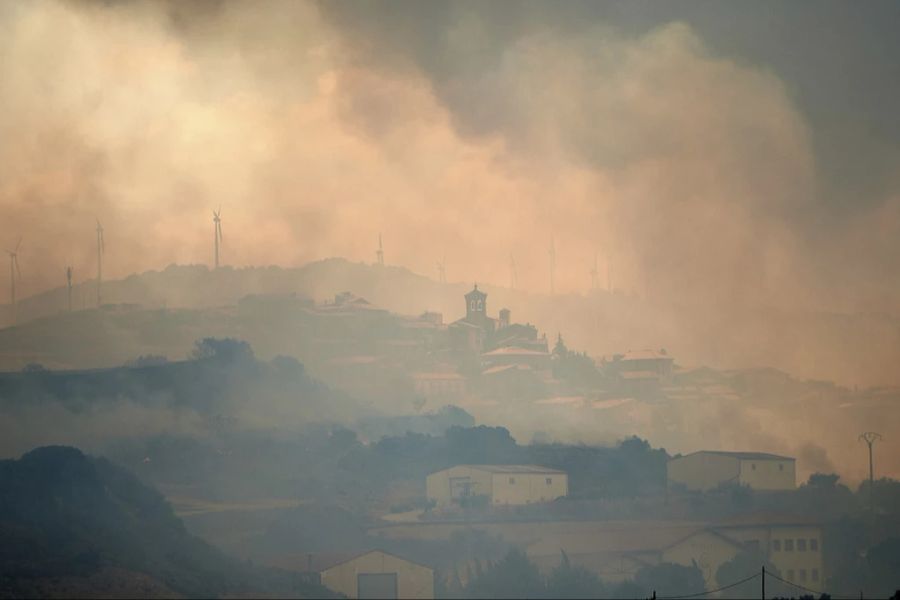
752, 545
780, 467
801, 545
549, 481
776, 545
813, 545
753, 466
512, 481
802, 574
815, 574
790, 574
788, 545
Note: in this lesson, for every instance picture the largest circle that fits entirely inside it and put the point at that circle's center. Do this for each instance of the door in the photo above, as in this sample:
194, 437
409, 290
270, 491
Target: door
376, 585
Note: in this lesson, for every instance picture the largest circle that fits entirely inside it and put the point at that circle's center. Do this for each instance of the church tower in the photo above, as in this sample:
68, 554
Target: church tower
476, 306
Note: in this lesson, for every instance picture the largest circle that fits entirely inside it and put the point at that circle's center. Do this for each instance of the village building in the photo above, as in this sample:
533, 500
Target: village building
499, 485
373, 574
640, 372
439, 385
707, 469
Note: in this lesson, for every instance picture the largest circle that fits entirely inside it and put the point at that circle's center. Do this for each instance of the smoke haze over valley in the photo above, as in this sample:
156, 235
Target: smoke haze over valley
298, 280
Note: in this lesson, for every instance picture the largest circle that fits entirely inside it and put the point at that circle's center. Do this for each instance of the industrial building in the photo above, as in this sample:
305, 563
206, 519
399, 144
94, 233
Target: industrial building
376, 574
499, 485
707, 469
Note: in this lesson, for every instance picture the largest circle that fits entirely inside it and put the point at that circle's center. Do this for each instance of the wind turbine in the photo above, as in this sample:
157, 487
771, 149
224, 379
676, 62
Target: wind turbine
101, 249
513, 274
379, 254
442, 272
69, 288
14, 275
217, 234
552, 252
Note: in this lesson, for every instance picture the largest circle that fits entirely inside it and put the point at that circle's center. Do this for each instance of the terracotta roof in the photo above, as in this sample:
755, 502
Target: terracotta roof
502, 368
645, 355
437, 376
514, 351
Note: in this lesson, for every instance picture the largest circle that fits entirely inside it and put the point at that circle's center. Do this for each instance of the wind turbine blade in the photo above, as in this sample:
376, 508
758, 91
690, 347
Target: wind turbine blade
19, 243
18, 270
219, 229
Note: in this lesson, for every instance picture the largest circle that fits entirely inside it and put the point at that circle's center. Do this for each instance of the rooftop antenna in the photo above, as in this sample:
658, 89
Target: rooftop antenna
379, 254
513, 275
442, 272
217, 233
595, 274
870, 437
101, 248
69, 288
552, 266
14, 275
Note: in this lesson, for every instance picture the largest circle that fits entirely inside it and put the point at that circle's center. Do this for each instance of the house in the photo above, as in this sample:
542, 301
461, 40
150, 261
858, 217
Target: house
792, 543
373, 574
617, 550
539, 360
500, 485
707, 469
439, 385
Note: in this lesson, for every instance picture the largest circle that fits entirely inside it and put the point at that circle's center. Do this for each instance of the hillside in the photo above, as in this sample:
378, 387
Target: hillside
851, 349
72, 525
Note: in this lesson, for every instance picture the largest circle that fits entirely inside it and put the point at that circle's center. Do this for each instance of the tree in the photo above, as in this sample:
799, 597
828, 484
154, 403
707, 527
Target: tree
884, 565
669, 579
566, 581
223, 350
746, 564
514, 576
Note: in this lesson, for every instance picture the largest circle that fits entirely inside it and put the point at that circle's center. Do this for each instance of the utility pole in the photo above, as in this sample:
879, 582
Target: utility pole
69, 288
764, 582
870, 437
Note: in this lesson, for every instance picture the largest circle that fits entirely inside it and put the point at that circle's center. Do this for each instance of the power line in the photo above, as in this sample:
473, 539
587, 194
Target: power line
706, 593
806, 589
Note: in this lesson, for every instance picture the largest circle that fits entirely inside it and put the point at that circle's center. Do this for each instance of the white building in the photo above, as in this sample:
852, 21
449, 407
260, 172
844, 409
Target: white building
707, 469
499, 484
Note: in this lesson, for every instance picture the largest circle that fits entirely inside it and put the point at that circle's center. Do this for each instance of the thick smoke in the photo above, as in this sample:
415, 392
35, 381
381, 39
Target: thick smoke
461, 130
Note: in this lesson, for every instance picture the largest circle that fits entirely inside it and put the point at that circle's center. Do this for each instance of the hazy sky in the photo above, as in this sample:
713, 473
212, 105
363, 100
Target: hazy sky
712, 151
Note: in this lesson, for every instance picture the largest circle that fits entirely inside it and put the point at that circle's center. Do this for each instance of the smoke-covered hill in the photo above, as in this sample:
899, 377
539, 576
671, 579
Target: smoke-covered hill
852, 349
76, 526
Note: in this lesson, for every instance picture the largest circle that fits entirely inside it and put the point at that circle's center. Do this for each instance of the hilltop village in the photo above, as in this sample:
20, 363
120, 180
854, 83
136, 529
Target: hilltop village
435, 455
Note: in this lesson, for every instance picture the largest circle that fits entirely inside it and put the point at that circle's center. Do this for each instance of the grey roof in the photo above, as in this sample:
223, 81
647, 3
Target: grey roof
742, 455
512, 469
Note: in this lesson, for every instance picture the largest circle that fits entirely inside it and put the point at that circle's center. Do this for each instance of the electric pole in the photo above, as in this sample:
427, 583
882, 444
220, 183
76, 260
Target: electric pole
870, 437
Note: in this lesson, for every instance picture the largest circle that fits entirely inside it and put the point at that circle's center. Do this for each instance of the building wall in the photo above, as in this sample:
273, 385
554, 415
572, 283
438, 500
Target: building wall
802, 558
705, 548
768, 474
528, 488
413, 581
438, 485
702, 471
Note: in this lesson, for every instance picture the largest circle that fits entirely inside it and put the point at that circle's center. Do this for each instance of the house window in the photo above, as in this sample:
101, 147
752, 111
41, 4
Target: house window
753, 466
512, 481
813, 545
752, 545
780, 467
802, 574
788, 545
776, 545
815, 574
549, 481
790, 574
801, 545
